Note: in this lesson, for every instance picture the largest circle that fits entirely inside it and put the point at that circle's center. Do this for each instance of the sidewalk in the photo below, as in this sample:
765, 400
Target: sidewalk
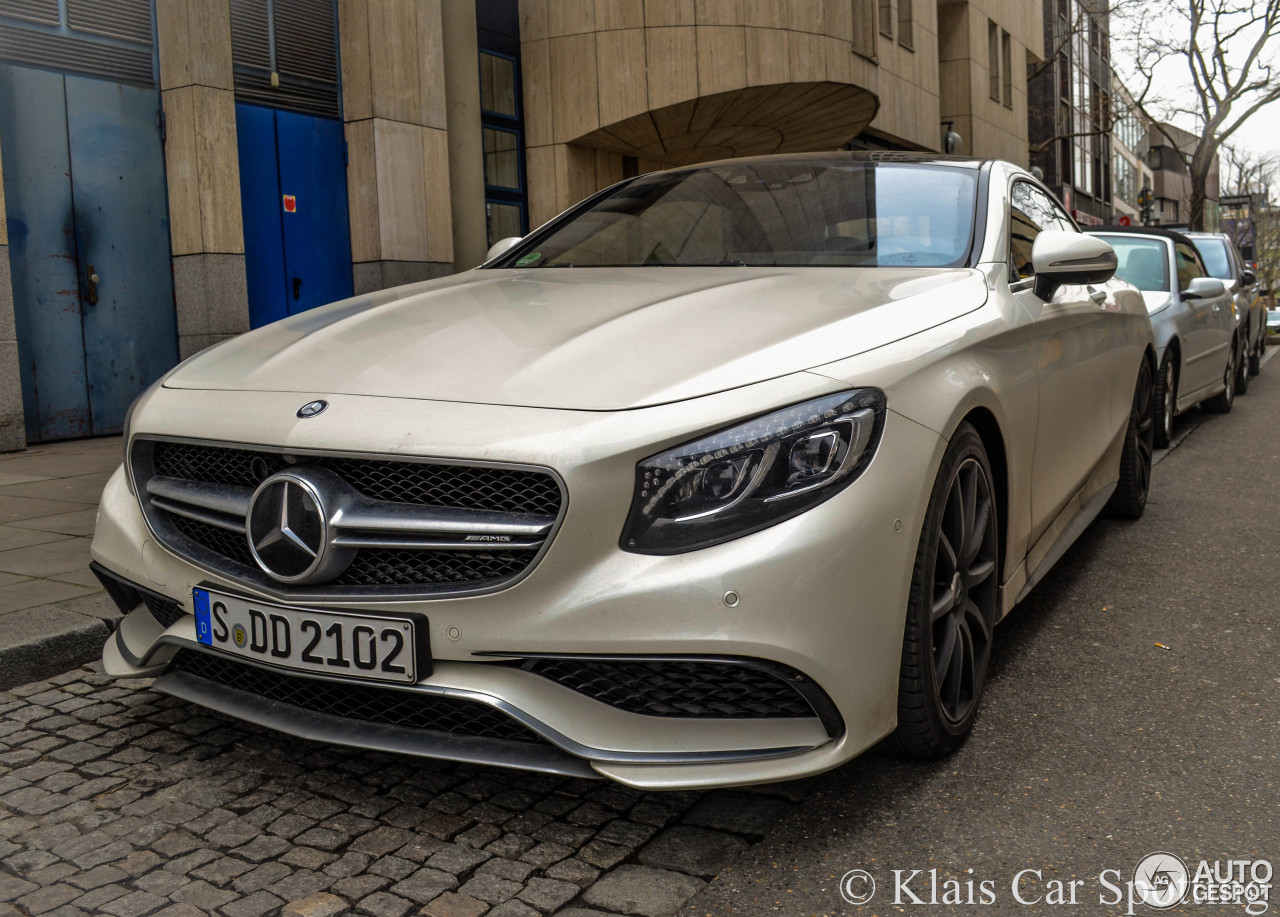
53, 613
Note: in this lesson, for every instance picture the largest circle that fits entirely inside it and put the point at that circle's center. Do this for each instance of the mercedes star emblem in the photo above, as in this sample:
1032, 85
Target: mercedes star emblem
287, 528
312, 408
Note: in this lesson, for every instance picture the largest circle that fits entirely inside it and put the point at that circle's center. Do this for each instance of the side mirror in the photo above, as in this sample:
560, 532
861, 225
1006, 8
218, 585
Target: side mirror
1248, 277
501, 247
1060, 258
1204, 288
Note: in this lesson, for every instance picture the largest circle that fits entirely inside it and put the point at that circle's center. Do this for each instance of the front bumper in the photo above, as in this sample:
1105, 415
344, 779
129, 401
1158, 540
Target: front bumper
823, 594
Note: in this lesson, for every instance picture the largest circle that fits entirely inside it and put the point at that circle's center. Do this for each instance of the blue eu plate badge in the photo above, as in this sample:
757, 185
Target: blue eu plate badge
204, 629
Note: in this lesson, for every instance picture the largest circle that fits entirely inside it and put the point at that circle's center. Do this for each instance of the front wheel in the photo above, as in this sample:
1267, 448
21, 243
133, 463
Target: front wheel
1259, 350
1166, 398
1130, 497
952, 608
1221, 403
1242, 369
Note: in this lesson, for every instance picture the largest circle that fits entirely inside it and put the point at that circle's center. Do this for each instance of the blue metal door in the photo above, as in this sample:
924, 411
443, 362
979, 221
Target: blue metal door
260, 207
293, 186
42, 244
122, 243
89, 248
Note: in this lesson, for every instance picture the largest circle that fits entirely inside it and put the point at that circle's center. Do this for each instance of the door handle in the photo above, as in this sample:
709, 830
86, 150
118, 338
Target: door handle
297, 287
91, 294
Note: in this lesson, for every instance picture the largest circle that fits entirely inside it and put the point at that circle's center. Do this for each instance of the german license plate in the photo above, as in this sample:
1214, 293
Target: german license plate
368, 647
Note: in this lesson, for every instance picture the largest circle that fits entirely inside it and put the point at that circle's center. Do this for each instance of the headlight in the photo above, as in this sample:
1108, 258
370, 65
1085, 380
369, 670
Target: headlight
752, 475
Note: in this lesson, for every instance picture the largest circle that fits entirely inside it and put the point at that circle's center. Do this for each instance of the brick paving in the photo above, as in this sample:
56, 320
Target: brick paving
115, 799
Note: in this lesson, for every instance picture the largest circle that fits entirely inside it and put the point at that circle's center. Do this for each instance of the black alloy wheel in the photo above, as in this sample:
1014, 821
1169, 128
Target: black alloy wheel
1242, 369
1129, 500
1166, 399
953, 606
1221, 403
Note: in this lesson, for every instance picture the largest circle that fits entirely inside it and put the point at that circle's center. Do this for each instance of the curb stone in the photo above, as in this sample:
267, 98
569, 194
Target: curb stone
47, 640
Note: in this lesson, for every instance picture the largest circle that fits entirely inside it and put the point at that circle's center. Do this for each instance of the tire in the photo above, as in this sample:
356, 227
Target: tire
952, 608
1165, 402
1259, 350
1221, 403
1242, 371
1130, 497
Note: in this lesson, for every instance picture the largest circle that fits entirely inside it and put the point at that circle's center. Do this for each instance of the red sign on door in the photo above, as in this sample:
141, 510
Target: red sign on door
1124, 221
290, 203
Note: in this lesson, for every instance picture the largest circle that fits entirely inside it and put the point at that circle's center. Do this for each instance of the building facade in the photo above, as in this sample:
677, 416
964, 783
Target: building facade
1170, 159
1130, 151
1072, 109
181, 171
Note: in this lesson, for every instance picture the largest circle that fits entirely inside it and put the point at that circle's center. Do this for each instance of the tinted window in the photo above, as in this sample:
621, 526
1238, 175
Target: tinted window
1189, 264
1143, 262
1031, 211
1217, 259
834, 213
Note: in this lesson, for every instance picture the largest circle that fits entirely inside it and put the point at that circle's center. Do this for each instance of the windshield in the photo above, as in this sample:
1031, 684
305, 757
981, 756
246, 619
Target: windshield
1216, 258
1143, 262
814, 213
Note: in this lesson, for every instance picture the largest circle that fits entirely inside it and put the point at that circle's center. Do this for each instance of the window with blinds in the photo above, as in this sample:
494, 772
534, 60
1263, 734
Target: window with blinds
1006, 66
886, 18
864, 28
993, 59
286, 54
112, 40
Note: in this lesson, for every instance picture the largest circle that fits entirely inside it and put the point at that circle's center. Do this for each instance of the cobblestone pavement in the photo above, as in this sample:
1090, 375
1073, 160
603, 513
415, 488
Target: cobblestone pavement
116, 799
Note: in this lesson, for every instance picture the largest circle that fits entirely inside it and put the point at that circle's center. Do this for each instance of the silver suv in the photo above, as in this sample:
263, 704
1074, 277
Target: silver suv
1222, 259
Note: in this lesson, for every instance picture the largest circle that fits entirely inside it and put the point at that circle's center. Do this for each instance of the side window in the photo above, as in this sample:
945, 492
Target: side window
1189, 265
1065, 223
1031, 212
1024, 225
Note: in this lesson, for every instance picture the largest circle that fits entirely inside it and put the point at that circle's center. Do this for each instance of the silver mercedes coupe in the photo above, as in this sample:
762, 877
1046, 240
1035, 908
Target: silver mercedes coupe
721, 477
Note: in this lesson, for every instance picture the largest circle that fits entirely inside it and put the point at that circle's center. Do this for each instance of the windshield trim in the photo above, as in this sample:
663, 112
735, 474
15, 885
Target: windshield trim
531, 242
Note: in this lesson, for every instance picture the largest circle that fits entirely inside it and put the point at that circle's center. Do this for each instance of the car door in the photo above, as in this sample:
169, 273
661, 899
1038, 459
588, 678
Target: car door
1209, 325
1075, 360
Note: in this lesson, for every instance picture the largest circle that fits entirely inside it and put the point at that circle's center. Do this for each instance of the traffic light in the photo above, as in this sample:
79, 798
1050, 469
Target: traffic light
1144, 205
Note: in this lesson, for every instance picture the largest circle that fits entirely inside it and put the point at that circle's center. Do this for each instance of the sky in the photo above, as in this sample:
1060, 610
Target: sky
1258, 135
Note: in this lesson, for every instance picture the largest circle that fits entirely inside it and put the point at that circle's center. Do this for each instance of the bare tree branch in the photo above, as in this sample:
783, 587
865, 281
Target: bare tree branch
1228, 48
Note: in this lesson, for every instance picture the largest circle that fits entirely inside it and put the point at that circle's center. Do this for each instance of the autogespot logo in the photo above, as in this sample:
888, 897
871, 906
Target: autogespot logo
1161, 880
858, 886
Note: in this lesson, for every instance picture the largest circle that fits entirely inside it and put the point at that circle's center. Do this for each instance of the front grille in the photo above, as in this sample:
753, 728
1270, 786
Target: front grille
387, 567
223, 542
678, 688
366, 703
166, 611
420, 483
423, 488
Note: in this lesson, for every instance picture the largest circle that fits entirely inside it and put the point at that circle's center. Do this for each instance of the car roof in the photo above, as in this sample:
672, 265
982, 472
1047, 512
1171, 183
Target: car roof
1143, 231
885, 156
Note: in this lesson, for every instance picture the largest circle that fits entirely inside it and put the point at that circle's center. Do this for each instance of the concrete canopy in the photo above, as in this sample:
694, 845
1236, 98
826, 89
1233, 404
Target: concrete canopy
755, 120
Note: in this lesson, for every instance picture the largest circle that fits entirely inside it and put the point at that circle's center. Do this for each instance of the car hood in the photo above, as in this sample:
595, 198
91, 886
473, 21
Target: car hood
586, 338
